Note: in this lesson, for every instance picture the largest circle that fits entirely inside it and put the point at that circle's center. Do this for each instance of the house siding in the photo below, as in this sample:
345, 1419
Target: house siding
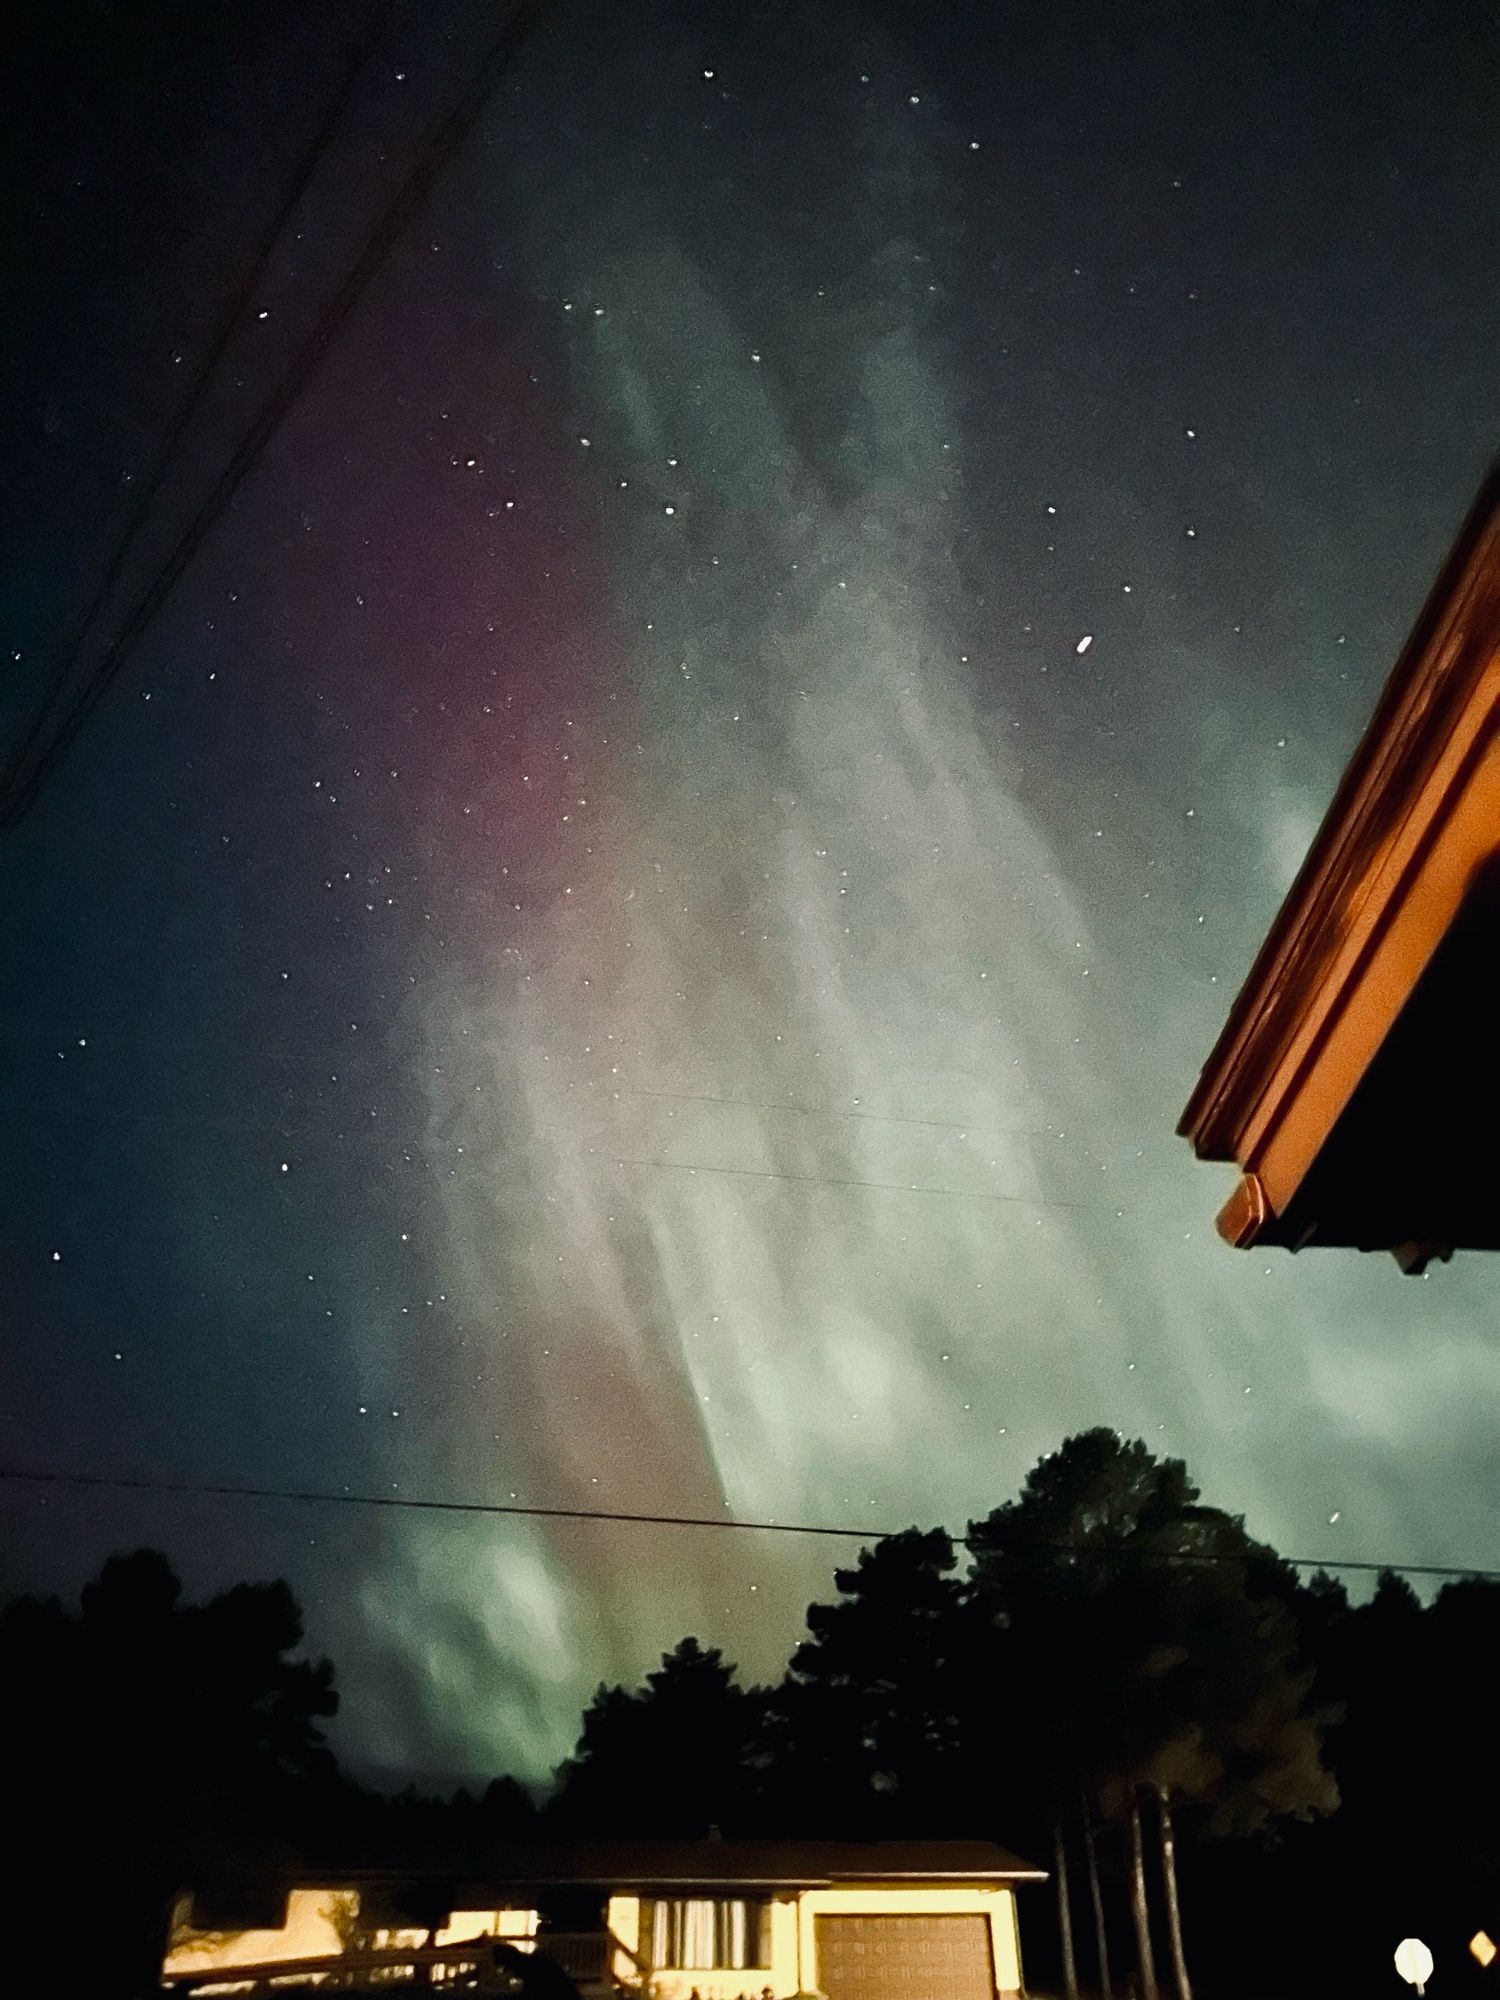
794, 1936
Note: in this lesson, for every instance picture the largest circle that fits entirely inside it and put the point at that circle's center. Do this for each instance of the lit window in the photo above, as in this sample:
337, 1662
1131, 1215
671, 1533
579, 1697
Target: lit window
706, 1933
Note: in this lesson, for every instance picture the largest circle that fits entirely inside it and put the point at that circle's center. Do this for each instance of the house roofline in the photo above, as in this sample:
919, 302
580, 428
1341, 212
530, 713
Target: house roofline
647, 1866
470, 1876
1387, 785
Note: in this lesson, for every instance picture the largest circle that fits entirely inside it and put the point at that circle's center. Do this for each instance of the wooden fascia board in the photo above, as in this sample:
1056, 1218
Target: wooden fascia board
1448, 834
1391, 804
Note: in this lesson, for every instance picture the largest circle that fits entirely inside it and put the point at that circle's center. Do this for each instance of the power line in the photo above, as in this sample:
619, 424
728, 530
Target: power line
466, 1162
229, 1491
187, 413
221, 1490
827, 1111
477, 1160
443, 141
295, 1133
847, 1181
345, 1055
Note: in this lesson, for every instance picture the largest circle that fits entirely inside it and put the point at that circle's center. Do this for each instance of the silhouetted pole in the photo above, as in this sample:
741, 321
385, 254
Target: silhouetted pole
1139, 1914
1169, 1882
1096, 1896
1064, 1912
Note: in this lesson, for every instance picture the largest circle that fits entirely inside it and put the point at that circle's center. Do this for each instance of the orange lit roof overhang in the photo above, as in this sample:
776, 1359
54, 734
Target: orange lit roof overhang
1354, 1084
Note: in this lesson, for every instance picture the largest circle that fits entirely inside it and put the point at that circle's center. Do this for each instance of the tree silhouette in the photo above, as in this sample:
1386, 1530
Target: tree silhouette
144, 1734
1161, 1655
1412, 1755
1048, 1568
674, 1758
877, 1722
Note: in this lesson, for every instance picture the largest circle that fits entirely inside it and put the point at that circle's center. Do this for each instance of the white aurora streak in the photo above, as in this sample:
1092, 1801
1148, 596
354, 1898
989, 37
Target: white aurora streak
815, 1114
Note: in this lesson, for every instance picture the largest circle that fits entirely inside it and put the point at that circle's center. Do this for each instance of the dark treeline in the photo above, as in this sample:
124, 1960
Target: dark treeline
1243, 1784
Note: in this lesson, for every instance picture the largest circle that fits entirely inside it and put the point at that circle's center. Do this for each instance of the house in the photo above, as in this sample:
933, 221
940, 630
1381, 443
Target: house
1355, 1084
719, 1919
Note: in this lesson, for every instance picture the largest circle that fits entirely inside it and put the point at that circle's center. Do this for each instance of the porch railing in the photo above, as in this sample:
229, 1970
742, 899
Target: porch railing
585, 1956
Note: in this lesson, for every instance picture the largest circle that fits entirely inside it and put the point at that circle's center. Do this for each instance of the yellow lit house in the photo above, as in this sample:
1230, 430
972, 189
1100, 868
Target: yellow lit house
658, 1920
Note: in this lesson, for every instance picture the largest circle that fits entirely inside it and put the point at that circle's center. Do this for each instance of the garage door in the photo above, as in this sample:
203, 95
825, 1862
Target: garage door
905, 1958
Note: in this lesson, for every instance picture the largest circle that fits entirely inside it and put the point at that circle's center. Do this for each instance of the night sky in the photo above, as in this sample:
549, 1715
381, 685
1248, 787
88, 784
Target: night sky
636, 932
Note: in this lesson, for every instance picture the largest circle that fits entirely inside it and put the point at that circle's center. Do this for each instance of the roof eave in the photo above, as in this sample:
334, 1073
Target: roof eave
1423, 701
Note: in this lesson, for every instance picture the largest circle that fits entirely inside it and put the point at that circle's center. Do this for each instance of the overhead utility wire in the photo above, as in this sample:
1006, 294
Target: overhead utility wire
847, 1181
172, 1046
834, 1111
442, 143
239, 305
225, 1490
477, 1162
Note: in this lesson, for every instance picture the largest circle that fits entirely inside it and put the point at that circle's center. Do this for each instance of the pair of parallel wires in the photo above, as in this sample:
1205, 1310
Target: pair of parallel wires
73, 690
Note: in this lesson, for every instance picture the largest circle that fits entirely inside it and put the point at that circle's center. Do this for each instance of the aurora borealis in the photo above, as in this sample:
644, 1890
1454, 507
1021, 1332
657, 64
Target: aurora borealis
636, 934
